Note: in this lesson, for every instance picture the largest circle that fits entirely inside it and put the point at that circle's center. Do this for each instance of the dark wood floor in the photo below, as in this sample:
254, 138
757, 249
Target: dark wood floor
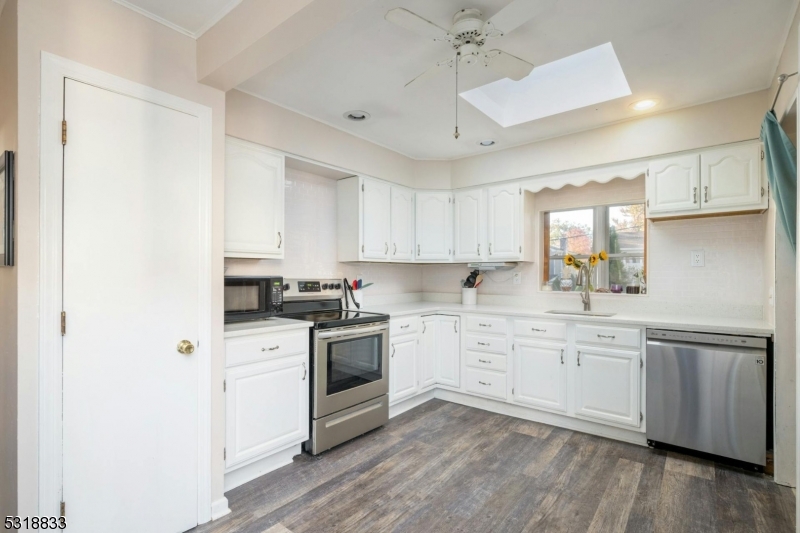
446, 467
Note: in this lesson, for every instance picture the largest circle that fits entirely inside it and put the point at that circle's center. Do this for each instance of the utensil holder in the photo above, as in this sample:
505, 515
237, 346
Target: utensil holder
358, 296
469, 296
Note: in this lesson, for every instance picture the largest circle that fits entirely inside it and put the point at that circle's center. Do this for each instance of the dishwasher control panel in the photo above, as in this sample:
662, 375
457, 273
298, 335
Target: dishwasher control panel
706, 338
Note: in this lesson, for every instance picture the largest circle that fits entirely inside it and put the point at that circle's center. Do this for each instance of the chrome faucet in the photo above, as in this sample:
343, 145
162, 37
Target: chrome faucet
584, 279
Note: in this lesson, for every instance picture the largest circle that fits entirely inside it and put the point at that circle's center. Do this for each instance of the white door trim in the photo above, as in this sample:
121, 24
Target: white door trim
54, 70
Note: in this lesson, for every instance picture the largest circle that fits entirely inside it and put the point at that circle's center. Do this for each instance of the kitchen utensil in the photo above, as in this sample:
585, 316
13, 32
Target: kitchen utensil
352, 296
365, 286
360, 283
478, 280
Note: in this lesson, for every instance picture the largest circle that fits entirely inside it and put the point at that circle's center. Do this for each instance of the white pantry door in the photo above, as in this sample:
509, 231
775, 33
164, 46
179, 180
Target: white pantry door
131, 283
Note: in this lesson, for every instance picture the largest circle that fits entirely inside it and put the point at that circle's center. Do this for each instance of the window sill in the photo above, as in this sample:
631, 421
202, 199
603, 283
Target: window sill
595, 294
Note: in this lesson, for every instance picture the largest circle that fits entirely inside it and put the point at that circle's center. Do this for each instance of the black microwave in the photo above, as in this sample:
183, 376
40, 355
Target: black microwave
252, 297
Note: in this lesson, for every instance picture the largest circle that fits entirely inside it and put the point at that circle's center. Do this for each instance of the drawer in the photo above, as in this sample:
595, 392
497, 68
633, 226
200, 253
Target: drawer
486, 383
487, 361
537, 329
608, 336
252, 348
403, 325
485, 343
486, 324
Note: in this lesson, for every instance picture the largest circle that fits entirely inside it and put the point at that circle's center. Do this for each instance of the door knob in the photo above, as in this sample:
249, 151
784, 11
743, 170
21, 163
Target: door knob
186, 347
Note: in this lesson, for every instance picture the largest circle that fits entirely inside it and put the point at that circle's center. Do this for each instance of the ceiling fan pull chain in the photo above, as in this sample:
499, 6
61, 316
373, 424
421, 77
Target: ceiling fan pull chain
458, 57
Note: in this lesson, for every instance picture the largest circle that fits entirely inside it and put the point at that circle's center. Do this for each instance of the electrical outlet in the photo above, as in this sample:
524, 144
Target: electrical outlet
517, 278
698, 258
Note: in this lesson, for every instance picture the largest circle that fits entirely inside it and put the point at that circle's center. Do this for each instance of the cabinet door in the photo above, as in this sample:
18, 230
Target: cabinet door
504, 223
428, 350
403, 378
470, 225
434, 226
673, 185
375, 222
448, 365
607, 385
266, 407
254, 182
731, 177
540, 374
402, 226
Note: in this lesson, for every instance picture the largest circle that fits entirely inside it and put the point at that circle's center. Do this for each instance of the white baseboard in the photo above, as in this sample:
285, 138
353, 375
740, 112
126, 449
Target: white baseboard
534, 415
414, 401
251, 471
219, 508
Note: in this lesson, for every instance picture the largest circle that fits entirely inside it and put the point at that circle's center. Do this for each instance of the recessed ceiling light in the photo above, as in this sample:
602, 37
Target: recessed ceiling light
641, 105
357, 116
486, 142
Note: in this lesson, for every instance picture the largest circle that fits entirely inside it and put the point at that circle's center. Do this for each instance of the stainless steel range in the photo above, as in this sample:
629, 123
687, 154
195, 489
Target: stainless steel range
349, 362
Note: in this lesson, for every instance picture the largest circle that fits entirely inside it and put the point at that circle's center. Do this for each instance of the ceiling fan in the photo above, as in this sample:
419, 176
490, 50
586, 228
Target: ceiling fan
469, 34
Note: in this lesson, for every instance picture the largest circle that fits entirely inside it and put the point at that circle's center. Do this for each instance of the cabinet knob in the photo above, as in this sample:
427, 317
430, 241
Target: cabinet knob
185, 347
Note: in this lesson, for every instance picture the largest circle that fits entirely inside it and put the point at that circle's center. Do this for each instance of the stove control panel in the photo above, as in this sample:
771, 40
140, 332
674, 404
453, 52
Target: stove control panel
309, 286
312, 289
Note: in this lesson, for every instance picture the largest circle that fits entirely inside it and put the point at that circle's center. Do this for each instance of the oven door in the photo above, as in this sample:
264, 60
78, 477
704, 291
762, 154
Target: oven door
351, 366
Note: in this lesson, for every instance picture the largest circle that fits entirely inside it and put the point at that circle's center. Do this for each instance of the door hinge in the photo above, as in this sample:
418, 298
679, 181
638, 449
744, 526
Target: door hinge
225, 453
224, 385
63, 132
63, 323
64, 509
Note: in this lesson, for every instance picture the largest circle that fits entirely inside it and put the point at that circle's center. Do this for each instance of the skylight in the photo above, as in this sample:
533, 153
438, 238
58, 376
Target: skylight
580, 80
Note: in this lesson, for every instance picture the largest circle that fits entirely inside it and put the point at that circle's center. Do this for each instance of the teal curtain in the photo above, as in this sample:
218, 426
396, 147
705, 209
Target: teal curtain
781, 158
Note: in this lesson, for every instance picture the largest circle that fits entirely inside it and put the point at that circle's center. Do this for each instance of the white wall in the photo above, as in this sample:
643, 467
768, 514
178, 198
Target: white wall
112, 38
8, 276
311, 244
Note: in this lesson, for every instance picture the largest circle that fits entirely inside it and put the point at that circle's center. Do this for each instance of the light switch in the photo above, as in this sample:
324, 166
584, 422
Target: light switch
517, 278
698, 258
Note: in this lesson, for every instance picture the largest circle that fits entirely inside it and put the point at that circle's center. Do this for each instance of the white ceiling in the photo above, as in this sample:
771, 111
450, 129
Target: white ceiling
190, 17
681, 52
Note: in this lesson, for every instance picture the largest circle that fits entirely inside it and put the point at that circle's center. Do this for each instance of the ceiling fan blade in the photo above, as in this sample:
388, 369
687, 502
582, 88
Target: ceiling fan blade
441, 66
517, 13
508, 65
410, 21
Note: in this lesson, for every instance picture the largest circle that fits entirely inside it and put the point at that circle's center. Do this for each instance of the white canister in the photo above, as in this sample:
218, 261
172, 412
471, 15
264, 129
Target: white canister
469, 296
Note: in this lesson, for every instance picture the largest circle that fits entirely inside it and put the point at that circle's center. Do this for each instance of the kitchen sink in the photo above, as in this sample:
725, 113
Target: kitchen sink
580, 313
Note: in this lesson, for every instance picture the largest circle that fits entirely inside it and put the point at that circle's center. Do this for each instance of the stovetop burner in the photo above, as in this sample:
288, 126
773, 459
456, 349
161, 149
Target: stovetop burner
320, 301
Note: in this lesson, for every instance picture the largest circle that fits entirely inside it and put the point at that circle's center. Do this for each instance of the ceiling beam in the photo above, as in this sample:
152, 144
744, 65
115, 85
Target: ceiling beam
258, 33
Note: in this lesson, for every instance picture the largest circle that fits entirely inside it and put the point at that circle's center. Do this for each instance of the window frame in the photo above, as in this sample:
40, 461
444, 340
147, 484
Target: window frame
600, 236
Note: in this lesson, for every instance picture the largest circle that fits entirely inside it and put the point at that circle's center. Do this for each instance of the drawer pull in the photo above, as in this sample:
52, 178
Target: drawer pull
606, 336
406, 326
270, 349
482, 361
539, 330
485, 325
579, 358
487, 384
484, 344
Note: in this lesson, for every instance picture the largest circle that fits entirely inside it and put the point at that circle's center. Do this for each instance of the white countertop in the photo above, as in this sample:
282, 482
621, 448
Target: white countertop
733, 326
268, 325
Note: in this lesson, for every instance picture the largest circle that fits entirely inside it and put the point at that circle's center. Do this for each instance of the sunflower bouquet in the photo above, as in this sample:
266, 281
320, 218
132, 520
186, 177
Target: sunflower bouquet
594, 259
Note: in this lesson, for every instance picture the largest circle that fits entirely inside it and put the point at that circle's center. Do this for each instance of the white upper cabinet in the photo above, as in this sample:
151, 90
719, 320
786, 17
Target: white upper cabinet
376, 220
673, 185
402, 224
254, 184
731, 177
505, 204
712, 182
540, 376
434, 226
470, 225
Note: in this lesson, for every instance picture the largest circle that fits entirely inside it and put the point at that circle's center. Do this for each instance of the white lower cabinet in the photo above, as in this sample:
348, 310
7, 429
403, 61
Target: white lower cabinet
486, 383
266, 407
428, 349
448, 364
607, 385
540, 374
403, 376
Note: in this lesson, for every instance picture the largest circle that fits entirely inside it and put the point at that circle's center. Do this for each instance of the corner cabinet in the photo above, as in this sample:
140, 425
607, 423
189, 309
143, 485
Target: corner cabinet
434, 226
721, 181
254, 196
375, 221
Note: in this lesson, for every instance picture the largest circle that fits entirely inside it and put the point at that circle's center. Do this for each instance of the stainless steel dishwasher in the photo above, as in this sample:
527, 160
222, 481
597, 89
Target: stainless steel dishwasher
708, 393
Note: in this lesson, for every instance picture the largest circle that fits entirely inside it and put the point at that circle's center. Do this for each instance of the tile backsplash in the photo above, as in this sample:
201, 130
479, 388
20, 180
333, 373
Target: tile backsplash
310, 208
731, 283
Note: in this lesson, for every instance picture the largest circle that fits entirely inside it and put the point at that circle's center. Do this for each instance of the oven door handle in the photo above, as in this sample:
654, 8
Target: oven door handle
355, 332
